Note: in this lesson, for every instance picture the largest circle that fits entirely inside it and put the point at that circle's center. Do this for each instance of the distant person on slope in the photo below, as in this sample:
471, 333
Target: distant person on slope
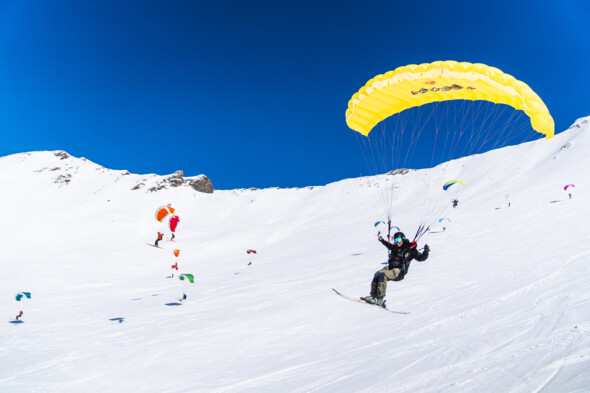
455, 202
401, 253
160, 236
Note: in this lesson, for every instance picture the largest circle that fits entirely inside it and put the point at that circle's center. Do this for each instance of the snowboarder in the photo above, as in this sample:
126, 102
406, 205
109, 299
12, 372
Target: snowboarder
455, 202
570, 195
183, 297
401, 253
160, 237
175, 266
20, 314
172, 237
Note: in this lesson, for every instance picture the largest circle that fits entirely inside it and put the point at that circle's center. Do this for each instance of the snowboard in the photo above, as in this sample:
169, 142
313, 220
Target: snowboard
153, 245
363, 302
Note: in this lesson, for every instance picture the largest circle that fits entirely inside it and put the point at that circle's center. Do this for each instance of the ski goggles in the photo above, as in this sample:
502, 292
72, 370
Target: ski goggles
398, 239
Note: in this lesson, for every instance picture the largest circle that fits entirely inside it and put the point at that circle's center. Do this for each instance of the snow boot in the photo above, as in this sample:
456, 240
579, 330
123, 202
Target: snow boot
376, 300
368, 299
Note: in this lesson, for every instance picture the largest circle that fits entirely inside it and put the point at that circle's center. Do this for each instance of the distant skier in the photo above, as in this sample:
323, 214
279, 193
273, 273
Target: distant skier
175, 266
401, 253
20, 314
172, 237
183, 297
570, 195
455, 202
160, 237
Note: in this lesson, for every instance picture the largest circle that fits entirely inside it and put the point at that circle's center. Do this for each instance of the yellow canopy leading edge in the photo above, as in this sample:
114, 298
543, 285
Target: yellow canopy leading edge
415, 85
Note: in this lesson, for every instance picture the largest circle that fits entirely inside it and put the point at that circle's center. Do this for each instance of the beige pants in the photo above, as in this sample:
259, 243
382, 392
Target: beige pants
379, 283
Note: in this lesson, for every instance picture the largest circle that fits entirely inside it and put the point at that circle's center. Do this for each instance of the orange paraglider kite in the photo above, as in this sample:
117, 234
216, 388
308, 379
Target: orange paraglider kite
163, 211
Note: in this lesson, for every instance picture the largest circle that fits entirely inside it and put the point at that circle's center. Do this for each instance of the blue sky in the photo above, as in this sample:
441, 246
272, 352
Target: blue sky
253, 94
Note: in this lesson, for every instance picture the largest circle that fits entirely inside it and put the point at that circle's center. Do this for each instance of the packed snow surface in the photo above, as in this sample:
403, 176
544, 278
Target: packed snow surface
501, 305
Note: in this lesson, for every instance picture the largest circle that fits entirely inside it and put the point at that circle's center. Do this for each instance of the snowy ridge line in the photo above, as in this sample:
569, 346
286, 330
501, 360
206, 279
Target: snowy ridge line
64, 170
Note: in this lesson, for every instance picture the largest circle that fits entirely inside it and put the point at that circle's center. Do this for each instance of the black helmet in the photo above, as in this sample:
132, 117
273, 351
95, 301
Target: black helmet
400, 235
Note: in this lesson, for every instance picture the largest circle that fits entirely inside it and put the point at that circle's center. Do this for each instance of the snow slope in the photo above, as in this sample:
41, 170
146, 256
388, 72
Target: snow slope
502, 304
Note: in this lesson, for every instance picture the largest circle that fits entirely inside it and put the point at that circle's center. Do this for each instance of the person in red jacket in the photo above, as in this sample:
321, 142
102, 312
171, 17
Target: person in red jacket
160, 237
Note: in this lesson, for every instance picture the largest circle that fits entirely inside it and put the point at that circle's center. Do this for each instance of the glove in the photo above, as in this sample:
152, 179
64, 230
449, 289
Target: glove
426, 248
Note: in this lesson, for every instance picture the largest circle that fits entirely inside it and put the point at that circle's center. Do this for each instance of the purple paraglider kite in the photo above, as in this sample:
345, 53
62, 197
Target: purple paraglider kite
568, 186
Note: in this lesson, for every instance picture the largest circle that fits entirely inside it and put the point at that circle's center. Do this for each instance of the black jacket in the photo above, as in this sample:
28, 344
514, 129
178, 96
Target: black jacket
401, 257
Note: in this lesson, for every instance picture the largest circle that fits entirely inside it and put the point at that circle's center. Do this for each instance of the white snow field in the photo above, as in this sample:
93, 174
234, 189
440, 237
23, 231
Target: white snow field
501, 305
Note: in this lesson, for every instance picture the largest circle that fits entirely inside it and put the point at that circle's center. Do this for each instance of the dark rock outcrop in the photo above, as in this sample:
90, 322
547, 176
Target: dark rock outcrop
201, 184
62, 155
401, 171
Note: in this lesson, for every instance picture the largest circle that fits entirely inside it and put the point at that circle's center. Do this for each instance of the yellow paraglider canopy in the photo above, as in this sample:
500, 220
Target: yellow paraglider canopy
451, 182
415, 85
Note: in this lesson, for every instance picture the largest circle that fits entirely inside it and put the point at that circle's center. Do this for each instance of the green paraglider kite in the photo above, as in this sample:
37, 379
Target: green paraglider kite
189, 277
20, 295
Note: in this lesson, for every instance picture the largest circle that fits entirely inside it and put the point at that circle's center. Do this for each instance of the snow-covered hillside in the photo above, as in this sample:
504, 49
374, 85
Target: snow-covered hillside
501, 305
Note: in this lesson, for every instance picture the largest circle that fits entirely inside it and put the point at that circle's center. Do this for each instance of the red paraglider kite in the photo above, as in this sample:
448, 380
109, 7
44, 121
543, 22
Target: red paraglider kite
174, 220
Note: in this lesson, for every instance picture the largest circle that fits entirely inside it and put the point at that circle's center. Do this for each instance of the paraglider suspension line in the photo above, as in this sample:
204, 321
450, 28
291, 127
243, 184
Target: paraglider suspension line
422, 229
